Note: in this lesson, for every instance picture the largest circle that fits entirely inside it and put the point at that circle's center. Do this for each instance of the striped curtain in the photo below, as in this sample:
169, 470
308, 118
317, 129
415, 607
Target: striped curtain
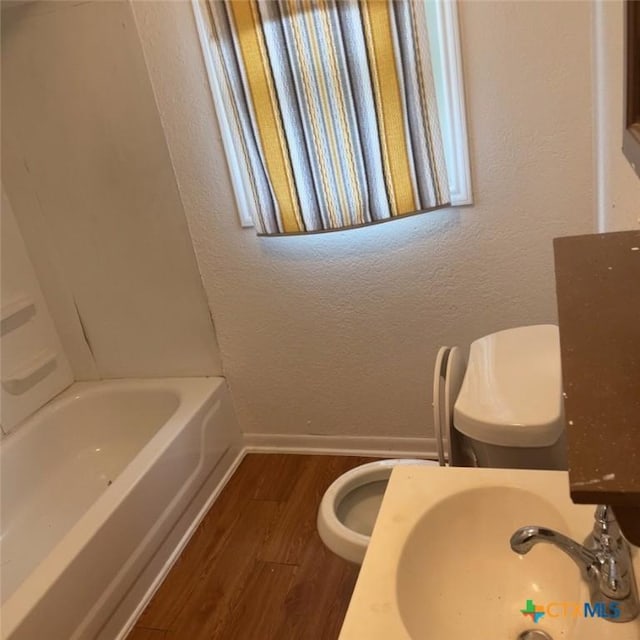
333, 108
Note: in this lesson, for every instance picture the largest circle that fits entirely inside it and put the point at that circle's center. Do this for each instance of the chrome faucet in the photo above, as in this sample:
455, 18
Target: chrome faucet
604, 561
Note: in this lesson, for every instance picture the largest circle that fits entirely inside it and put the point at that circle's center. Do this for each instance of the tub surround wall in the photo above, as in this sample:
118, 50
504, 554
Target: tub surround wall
618, 186
336, 335
29, 337
85, 163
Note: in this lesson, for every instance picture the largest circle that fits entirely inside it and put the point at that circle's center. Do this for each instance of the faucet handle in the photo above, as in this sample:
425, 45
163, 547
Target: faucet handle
606, 531
609, 546
615, 582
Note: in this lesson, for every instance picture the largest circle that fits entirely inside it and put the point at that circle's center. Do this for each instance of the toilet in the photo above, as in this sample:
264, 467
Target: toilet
350, 506
503, 409
509, 412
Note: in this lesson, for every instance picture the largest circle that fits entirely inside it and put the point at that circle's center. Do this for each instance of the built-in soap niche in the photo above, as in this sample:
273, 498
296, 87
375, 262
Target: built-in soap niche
30, 373
15, 313
34, 366
18, 378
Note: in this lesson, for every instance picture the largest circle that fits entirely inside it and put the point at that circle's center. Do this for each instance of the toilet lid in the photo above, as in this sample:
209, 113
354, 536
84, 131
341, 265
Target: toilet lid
441, 433
511, 393
447, 378
453, 380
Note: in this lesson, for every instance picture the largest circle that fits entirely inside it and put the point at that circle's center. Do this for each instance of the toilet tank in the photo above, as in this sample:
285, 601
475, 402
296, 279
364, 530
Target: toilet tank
510, 403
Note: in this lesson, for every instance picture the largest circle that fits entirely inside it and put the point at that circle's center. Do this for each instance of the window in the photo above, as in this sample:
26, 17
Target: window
631, 136
442, 25
444, 35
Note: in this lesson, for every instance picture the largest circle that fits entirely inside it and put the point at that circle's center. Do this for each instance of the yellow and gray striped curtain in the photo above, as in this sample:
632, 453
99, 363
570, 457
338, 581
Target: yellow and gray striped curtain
333, 106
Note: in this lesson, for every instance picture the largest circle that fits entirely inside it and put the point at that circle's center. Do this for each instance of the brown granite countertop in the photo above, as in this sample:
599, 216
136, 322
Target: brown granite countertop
598, 291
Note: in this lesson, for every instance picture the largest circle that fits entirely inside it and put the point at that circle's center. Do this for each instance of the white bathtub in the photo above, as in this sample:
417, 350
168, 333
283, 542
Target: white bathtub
92, 486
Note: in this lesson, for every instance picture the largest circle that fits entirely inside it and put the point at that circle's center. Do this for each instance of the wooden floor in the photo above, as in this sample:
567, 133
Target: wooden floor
256, 569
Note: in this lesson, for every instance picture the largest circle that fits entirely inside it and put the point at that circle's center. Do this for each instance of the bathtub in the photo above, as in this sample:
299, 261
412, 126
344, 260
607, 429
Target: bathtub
93, 485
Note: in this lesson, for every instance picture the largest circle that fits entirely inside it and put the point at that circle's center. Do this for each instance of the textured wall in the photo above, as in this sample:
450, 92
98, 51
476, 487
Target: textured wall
618, 184
337, 334
86, 166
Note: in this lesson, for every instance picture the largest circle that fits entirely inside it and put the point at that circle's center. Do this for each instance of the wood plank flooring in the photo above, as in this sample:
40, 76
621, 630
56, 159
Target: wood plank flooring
256, 569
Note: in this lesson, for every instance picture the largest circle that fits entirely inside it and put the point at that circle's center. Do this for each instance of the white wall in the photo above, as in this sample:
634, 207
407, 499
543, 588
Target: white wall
86, 166
31, 349
337, 333
618, 184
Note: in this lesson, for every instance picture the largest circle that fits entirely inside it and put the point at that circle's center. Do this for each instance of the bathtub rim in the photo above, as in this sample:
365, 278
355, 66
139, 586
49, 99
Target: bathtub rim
196, 395
71, 394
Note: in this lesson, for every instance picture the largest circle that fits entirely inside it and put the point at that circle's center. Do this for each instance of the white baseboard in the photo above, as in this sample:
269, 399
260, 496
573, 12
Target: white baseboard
387, 447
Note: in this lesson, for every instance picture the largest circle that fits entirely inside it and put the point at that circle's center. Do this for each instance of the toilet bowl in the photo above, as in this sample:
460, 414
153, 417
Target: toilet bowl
502, 409
350, 506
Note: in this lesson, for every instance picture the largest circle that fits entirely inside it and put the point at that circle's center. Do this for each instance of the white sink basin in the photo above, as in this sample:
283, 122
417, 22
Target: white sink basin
461, 546
439, 565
